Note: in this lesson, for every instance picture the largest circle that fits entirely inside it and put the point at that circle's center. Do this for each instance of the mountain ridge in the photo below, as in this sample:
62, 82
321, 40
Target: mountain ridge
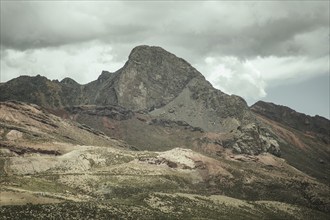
300, 121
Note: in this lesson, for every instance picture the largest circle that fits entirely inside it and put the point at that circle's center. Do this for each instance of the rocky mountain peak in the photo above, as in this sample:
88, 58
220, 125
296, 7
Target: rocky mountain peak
151, 78
157, 61
144, 52
69, 81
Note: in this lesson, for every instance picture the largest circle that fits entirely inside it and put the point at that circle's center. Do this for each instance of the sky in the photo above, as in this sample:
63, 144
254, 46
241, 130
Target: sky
277, 51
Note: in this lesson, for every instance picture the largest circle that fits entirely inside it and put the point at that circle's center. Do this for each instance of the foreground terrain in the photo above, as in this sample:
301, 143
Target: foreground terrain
46, 175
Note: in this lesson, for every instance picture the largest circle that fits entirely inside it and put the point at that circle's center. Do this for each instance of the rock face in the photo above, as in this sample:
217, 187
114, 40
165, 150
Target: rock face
253, 139
200, 105
151, 78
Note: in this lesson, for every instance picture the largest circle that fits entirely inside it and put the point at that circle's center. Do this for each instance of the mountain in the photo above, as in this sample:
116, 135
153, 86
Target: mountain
151, 79
155, 140
161, 85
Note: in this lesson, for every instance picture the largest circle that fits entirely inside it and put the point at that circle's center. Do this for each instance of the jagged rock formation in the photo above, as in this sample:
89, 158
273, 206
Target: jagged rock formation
152, 77
253, 139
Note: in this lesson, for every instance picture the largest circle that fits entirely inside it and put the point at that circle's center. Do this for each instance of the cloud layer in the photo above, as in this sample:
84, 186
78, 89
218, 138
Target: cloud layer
82, 62
245, 48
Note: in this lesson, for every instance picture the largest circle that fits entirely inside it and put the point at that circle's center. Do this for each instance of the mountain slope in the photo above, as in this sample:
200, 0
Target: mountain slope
307, 138
26, 127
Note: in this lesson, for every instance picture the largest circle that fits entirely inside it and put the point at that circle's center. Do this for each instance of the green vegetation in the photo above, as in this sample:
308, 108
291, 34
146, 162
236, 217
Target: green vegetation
162, 206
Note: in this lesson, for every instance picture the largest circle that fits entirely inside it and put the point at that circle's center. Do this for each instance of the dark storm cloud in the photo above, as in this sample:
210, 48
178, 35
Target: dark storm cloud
248, 35
28, 25
240, 29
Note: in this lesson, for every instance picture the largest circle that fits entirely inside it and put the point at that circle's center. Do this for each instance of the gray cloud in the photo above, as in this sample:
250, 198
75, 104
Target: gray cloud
240, 29
26, 25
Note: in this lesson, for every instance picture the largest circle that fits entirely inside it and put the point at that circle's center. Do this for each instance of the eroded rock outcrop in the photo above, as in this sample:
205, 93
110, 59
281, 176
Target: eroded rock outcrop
253, 139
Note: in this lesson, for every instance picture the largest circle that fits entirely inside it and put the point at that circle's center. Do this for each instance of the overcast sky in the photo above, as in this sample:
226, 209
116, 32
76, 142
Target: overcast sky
270, 50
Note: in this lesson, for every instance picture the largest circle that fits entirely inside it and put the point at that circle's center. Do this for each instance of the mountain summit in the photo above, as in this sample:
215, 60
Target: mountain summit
151, 78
